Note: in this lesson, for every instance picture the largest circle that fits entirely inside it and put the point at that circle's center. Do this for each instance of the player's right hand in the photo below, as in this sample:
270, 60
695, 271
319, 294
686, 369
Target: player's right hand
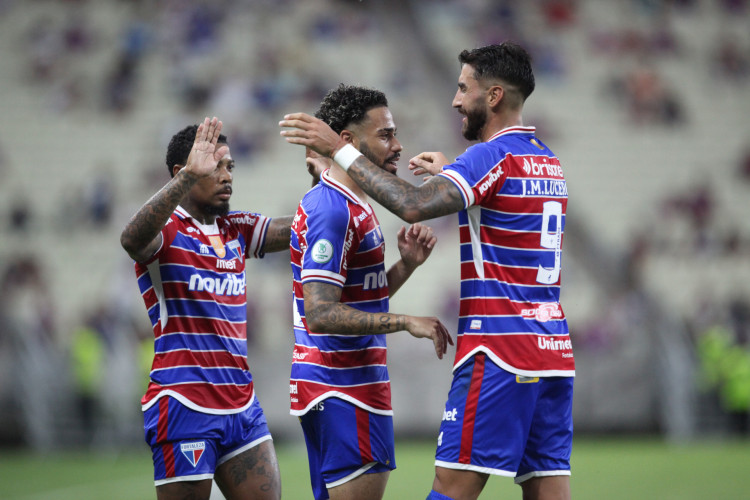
430, 163
205, 155
430, 328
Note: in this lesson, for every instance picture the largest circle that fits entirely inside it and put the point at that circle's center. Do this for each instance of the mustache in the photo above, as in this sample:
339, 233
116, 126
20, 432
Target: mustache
225, 190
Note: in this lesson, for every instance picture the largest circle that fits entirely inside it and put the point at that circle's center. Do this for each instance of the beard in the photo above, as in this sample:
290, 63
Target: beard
220, 210
367, 152
476, 119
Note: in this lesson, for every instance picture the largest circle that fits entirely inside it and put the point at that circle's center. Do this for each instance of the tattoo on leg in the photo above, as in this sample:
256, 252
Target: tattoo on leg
257, 462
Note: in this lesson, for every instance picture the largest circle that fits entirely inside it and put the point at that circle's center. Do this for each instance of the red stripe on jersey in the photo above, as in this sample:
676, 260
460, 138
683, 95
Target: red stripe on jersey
525, 351
363, 434
209, 359
199, 325
340, 359
527, 204
376, 394
231, 397
470, 410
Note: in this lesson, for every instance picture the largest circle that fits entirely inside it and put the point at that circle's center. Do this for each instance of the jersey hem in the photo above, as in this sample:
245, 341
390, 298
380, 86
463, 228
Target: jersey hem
512, 369
345, 397
475, 468
185, 401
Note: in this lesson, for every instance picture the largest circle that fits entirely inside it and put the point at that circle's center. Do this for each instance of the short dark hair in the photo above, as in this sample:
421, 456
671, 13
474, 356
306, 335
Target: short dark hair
348, 104
181, 144
507, 61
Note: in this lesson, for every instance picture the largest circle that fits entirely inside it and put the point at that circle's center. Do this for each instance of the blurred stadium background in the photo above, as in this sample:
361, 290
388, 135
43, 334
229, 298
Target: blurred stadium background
646, 102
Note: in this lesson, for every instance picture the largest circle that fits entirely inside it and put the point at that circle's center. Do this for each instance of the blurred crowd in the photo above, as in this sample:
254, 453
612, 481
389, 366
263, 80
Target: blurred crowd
190, 36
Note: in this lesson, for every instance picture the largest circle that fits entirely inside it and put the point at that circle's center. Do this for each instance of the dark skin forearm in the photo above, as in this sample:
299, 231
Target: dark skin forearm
434, 198
139, 238
325, 314
278, 234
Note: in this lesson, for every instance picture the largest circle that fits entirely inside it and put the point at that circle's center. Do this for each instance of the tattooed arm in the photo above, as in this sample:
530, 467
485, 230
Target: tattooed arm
411, 203
278, 234
325, 313
142, 235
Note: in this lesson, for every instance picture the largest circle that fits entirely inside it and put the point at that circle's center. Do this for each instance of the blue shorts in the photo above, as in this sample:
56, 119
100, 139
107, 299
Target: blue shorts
188, 445
496, 422
343, 442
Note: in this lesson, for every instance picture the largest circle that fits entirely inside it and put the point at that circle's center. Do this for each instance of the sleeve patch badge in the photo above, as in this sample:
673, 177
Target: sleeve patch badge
322, 251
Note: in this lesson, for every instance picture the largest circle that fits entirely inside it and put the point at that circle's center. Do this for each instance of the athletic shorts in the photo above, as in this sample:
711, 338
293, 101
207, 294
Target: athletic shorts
343, 442
496, 422
188, 445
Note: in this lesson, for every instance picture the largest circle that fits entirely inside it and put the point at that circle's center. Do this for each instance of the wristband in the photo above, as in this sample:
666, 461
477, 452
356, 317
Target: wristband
346, 156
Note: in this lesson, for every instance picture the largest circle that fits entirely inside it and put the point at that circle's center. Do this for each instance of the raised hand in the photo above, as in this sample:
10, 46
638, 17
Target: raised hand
205, 155
415, 244
312, 132
430, 163
430, 328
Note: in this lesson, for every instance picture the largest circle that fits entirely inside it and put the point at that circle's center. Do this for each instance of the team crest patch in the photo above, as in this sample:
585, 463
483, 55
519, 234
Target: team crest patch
218, 246
193, 451
322, 251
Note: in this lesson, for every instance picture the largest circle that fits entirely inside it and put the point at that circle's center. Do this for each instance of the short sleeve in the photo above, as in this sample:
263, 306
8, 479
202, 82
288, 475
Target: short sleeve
478, 174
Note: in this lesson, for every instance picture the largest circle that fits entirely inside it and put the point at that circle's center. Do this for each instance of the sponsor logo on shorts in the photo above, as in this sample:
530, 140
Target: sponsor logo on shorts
450, 415
193, 451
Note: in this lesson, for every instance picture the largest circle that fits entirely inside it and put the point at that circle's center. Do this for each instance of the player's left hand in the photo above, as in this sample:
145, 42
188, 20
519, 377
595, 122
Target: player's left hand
415, 244
306, 130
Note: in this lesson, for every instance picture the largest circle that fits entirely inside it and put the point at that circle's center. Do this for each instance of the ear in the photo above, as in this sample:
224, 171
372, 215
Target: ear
495, 94
176, 168
349, 137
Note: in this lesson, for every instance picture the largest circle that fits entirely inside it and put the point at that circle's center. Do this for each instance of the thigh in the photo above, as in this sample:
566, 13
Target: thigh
364, 487
252, 474
183, 490
546, 488
459, 484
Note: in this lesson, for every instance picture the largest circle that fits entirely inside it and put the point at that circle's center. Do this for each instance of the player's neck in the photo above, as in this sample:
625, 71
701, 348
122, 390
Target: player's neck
197, 214
500, 121
342, 177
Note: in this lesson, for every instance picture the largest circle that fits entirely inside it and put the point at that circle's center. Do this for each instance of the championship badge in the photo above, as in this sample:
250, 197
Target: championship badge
218, 246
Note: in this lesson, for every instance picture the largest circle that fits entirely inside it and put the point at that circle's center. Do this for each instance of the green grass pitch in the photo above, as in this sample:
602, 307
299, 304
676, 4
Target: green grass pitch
610, 469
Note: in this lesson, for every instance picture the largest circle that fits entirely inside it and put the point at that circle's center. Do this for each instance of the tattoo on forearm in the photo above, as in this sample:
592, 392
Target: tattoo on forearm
324, 310
432, 199
150, 219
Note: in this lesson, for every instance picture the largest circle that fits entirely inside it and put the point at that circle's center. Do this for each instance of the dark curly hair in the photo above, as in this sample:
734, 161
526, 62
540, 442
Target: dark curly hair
508, 62
348, 104
181, 144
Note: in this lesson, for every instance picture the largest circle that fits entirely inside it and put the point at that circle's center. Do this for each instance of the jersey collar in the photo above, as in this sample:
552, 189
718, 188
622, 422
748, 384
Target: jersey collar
332, 183
513, 130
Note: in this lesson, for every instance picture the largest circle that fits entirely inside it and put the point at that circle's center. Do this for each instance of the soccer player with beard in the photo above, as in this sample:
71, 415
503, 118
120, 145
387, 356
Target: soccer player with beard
201, 416
509, 409
339, 384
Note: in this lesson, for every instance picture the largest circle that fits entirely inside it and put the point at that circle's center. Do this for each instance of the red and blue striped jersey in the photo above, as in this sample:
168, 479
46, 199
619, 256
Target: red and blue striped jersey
194, 291
336, 239
511, 234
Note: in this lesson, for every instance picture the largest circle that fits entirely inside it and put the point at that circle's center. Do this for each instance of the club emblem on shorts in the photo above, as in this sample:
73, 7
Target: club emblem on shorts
322, 251
193, 451
218, 246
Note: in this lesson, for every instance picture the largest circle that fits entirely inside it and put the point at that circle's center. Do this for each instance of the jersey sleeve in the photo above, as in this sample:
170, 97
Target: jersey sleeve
476, 174
330, 242
253, 228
